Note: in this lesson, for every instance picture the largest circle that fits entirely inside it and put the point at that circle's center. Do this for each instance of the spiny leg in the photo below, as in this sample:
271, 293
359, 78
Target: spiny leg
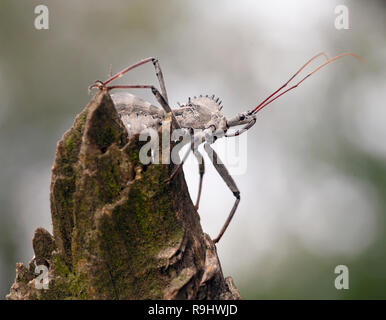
223, 171
157, 95
158, 73
201, 170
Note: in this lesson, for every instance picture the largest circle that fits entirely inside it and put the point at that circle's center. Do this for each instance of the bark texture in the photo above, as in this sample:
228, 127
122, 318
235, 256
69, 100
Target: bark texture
120, 231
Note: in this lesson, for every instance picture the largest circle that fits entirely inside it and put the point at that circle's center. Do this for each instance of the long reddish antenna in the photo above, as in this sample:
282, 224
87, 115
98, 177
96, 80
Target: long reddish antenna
122, 72
285, 84
266, 102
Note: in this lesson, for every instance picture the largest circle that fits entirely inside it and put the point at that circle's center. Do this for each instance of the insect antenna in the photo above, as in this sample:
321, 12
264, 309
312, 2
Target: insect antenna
290, 79
329, 60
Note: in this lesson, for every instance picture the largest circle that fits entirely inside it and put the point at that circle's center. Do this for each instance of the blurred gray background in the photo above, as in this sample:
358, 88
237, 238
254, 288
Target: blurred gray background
314, 192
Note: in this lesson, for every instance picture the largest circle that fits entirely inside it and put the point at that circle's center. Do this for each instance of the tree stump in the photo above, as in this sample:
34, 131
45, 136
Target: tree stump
120, 231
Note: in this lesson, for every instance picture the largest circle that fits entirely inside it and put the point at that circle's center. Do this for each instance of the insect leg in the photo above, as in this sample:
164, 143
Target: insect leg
223, 171
158, 73
160, 77
196, 140
201, 170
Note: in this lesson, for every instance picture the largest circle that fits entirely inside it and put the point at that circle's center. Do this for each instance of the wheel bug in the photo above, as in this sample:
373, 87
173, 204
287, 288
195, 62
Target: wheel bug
203, 112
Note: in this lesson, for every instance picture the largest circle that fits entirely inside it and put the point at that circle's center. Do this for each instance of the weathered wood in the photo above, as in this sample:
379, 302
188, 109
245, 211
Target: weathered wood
119, 230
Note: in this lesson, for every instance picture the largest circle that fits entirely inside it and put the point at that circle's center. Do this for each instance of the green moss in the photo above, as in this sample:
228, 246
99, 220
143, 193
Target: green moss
116, 255
134, 232
67, 284
69, 147
62, 213
60, 267
78, 286
70, 144
24, 275
81, 120
182, 279
105, 129
107, 136
110, 175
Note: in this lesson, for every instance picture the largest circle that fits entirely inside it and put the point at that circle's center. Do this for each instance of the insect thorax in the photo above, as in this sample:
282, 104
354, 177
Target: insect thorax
200, 113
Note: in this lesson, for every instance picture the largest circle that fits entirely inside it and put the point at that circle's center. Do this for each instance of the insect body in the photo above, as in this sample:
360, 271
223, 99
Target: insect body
199, 113
203, 112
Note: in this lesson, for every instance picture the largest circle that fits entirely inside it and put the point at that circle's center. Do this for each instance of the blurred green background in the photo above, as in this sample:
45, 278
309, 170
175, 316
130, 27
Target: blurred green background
314, 192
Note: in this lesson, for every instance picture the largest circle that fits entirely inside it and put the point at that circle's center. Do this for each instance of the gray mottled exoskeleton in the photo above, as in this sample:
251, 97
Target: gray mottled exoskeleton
203, 112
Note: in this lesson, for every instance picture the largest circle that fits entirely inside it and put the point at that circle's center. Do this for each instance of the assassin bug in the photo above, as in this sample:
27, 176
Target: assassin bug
200, 117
